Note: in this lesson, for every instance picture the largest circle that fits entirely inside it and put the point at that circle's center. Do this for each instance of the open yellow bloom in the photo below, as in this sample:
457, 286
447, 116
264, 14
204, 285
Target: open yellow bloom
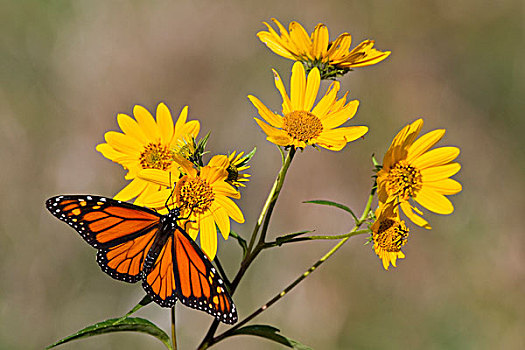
146, 144
389, 234
234, 165
410, 172
203, 198
317, 49
303, 123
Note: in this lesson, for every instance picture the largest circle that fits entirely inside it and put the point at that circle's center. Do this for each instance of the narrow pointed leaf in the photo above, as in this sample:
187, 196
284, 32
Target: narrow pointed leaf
334, 204
131, 324
145, 301
270, 333
283, 239
242, 242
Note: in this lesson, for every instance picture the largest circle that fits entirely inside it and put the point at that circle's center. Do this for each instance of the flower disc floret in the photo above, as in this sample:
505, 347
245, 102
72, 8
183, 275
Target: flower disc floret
194, 194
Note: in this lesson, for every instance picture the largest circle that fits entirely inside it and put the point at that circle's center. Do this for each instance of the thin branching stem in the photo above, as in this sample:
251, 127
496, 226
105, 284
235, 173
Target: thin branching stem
298, 280
254, 250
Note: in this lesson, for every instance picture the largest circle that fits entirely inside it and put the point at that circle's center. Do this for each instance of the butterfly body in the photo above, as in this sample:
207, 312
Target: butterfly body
138, 244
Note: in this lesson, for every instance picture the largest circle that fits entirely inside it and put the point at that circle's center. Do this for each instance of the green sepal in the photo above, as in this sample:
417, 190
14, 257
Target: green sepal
126, 324
246, 158
270, 333
334, 204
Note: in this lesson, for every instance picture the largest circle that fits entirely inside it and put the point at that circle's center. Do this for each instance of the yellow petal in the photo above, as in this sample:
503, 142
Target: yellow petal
213, 174
312, 87
158, 199
274, 44
320, 41
183, 115
221, 219
108, 152
297, 86
300, 38
424, 143
219, 161
146, 122
439, 172
435, 157
339, 47
336, 119
434, 201
132, 190
208, 234
407, 209
157, 176
123, 143
150, 189
325, 104
269, 116
165, 123
446, 187
271, 131
287, 104
131, 128
231, 208
225, 189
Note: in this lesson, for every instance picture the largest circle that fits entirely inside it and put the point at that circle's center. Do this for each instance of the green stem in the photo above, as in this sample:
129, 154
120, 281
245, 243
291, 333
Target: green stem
252, 251
292, 285
311, 238
267, 209
173, 330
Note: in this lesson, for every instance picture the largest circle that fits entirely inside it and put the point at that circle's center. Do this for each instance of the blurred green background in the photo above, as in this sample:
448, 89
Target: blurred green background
68, 67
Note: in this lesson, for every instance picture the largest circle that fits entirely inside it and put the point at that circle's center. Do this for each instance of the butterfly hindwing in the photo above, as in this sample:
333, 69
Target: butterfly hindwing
198, 284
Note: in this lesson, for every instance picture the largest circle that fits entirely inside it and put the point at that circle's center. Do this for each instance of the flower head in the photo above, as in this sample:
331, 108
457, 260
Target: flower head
389, 234
203, 197
234, 165
146, 143
410, 171
332, 58
304, 124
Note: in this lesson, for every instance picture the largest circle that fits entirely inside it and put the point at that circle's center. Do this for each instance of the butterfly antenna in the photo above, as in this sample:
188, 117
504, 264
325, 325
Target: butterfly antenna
171, 194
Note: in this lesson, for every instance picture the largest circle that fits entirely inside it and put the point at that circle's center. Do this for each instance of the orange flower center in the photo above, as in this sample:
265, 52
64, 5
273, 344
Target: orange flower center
156, 156
404, 180
302, 125
391, 235
194, 194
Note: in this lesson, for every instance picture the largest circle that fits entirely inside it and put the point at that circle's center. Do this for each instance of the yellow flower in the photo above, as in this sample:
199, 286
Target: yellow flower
146, 144
233, 165
203, 198
410, 172
302, 125
317, 50
389, 234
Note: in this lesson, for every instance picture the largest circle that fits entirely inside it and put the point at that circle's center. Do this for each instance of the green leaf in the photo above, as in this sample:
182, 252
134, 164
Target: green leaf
242, 242
128, 324
270, 333
334, 204
283, 239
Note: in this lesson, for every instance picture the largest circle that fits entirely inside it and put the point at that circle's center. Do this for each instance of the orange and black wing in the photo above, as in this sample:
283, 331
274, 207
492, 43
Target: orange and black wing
123, 233
198, 284
181, 270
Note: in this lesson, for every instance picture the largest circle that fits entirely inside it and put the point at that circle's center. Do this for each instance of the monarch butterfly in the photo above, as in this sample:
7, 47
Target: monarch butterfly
136, 243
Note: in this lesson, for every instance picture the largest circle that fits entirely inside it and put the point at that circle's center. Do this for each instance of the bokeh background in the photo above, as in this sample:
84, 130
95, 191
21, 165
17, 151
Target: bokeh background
68, 67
